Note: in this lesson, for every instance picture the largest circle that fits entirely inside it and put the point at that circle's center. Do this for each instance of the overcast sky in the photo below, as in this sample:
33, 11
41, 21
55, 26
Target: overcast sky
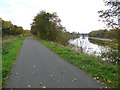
76, 15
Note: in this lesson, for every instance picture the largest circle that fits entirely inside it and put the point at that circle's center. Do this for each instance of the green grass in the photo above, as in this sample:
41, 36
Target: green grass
9, 39
100, 70
0, 63
9, 54
0, 70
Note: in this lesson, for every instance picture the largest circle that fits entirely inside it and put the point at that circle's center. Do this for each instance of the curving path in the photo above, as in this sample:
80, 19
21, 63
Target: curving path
36, 67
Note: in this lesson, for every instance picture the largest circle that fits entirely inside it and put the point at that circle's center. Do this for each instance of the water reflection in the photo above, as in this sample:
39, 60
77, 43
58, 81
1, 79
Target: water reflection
87, 47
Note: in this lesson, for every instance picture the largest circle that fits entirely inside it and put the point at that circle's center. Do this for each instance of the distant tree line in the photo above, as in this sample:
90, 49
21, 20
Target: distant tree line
74, 35
104, 33
9, 29
47, 26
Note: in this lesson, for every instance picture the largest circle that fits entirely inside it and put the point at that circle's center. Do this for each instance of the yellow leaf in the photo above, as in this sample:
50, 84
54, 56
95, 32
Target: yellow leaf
51, 75
75, 79
109, 81
97, 77
41, 83
28, 86
90, 74
43, 87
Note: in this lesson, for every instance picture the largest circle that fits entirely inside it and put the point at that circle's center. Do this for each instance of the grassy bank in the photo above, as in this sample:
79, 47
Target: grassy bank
9, 53
0, 63
102, 71
8, 39
112, 54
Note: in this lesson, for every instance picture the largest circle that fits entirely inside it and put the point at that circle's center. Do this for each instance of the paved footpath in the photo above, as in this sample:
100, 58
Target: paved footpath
36, 67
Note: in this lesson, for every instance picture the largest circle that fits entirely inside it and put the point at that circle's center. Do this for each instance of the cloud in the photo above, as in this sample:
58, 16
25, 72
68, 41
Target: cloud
76, 15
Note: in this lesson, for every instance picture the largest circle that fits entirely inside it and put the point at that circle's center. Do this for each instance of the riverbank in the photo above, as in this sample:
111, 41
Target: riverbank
111, 55
104, 39
10, 50
102, 71
110, 44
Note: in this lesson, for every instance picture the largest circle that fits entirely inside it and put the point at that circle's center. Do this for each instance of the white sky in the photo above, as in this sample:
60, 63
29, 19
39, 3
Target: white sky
76, 15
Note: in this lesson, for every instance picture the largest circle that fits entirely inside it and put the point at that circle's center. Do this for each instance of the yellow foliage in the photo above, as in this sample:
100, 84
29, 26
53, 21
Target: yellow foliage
21, 35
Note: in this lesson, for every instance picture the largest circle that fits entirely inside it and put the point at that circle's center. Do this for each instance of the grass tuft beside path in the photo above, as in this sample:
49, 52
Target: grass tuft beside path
9, 54
101, 71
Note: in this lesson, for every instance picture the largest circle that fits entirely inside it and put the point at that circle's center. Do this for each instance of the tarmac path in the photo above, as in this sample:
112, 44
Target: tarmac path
36, 66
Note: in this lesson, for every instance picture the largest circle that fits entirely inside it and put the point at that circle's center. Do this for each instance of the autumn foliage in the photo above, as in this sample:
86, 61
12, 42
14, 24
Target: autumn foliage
104, 33
47, 26
9, 29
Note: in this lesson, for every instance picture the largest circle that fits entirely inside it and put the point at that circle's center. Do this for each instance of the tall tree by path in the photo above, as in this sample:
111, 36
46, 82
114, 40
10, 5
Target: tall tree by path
47, 26
111, 17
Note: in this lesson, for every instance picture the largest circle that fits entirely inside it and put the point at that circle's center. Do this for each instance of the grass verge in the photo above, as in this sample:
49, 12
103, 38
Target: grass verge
102, 71
9, 54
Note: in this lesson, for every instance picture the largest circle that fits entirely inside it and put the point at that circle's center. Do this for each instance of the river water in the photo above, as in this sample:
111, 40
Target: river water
87, 47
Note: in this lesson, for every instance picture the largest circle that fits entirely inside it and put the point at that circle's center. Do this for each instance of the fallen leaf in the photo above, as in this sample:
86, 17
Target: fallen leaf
75, 79
90, 74
98, 81
108, 81
97, 78
28, 86
106, 87
72, 80
51, 75
16, 73
41, 83
43, 87
83, 66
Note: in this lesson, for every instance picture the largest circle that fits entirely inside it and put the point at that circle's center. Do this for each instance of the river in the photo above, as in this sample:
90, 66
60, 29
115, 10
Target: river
87, 47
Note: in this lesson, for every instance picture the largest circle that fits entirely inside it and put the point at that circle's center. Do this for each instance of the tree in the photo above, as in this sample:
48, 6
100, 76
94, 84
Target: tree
111, 17
9, 29
98, 33
48, 26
